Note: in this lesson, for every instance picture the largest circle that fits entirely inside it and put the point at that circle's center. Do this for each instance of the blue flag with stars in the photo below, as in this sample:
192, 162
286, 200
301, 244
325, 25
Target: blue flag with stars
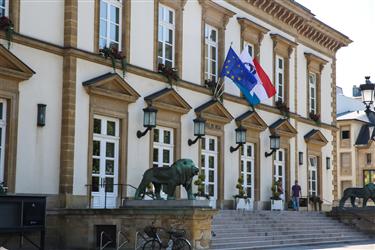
235, 70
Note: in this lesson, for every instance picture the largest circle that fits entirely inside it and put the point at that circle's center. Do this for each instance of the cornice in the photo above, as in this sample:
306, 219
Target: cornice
296, 20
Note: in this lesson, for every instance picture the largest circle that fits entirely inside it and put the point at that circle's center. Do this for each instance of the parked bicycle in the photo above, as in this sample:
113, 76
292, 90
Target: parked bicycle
176, 239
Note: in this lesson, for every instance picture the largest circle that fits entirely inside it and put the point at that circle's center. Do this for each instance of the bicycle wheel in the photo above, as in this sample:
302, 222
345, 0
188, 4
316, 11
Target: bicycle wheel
181, 244
152, 244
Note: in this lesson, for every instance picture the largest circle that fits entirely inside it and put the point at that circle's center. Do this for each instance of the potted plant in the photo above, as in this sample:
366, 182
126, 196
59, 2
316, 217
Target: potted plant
114, 54
315, 117
276, 201
241, 200
6, 25
200, 194
3, 189
284, 109
169, 73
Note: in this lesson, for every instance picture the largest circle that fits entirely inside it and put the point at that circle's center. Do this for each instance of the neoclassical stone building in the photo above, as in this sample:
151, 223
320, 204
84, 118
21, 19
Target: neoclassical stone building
92, 114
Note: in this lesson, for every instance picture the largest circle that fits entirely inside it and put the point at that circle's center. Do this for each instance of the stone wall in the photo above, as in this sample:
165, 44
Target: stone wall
76, 228
361, 218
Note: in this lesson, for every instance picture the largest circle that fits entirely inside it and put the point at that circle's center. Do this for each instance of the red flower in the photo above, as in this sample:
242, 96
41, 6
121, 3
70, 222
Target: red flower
5, 23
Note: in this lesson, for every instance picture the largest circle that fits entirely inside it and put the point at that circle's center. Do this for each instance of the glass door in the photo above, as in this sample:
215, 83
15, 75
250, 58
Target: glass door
209, 158
279, 169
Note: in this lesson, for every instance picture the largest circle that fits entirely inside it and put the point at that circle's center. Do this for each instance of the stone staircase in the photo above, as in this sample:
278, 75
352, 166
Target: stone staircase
276, 229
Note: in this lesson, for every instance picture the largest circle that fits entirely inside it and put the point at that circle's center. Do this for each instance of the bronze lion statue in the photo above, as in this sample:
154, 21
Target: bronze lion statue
180, 173
366, 193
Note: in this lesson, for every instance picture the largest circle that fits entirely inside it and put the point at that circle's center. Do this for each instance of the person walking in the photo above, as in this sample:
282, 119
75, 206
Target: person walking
296, 193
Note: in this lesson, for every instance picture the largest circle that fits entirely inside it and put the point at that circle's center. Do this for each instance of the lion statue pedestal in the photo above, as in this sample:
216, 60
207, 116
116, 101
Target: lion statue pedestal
180, 173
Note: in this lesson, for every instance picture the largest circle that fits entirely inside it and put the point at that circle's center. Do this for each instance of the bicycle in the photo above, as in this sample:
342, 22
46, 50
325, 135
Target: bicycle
176, 240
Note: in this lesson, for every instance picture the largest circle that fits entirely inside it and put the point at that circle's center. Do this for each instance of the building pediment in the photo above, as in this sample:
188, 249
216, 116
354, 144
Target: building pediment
251, 120
168, 99
111, 85
316, 137
12, 67
214, 111
283, 128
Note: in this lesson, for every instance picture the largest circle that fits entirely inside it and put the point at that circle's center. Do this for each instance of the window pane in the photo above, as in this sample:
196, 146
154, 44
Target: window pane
213, 53
202, 161
203, 143
111, 128
168, 51
103, 10
168, 63
103, 28
167, 137
280, 79
166, 156
280, 63
212, 144
95, 184
109, 167
248, 179
241, 166
280, 156
280, 170
109, 184
114, 32
213, 35
249, 167
169, 37
115, 17
1, 108
248, 191
110, 149
249, 149
97, 126
96, 148
211, 162
156, 135
161, 11
211, 190
211, 177
170, 17
102, 43
213, 67
95, 166
156, 155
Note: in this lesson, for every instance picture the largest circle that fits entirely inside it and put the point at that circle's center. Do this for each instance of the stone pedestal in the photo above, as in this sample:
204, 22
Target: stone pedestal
76, 228
361, 218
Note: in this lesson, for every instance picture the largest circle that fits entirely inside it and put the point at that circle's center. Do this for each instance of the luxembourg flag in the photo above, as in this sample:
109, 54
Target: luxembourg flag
264, 88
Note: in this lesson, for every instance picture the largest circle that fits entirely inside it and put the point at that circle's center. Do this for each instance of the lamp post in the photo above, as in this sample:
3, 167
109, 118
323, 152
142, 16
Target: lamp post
149, 120
240, 138
199, 129
274, 144
367, 91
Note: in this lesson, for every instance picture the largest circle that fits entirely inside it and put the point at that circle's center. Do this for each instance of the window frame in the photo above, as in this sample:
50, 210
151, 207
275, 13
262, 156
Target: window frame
119, 5
206, 153
342, 133
244, 159
281, 71
165, 25
3, 126
208, 44
313, 93
161, 146
311, 191
368, 158
5, 8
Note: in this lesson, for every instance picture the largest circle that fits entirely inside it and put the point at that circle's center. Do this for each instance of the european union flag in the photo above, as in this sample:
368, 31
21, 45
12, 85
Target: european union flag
235, 69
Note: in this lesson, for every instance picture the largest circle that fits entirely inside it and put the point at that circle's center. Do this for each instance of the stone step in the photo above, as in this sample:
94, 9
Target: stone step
276, 227
273, 221
291, 245
248, 244
284, 237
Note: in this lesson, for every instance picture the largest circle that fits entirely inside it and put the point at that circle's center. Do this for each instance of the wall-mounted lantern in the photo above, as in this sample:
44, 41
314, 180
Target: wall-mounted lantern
149, 120
367, 90
199, 129
300, 158
240, 138
328, 163
274, 144
41, 119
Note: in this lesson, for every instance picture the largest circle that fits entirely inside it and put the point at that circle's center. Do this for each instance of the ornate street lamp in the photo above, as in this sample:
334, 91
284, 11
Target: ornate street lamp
274, 144
367, 90
240, 138
149, 120
199, 129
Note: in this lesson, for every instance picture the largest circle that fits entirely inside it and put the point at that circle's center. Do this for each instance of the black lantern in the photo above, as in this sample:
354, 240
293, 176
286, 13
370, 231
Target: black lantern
199, 129
41, 119
149, 120
240, 138
367, 90
274, 144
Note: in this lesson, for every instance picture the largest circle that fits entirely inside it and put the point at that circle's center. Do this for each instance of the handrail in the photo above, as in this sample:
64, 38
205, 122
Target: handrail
120, 245
102, 234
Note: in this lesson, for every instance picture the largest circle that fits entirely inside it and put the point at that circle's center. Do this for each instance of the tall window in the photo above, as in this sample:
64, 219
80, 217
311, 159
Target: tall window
2, 136
209, 158
210, 52
163, 147
110, 23
368, 176
105, 159
249, 47
4, 7
166, 36
279, 169
312, 93
280, 78
313, 177
247, 168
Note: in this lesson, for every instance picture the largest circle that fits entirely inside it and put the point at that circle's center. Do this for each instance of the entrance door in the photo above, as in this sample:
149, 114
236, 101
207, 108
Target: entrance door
279, 169
2, 136
247, 169
105, 162
209, 158
313, 176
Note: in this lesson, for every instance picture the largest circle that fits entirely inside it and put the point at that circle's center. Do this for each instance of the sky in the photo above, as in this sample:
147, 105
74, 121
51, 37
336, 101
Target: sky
355, 19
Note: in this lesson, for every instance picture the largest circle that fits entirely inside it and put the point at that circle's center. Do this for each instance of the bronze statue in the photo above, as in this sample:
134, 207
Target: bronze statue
180, 173
367, 192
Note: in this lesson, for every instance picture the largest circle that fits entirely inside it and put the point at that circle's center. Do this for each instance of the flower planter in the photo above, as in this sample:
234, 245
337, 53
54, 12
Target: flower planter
277, 205
244, 204
201, 198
